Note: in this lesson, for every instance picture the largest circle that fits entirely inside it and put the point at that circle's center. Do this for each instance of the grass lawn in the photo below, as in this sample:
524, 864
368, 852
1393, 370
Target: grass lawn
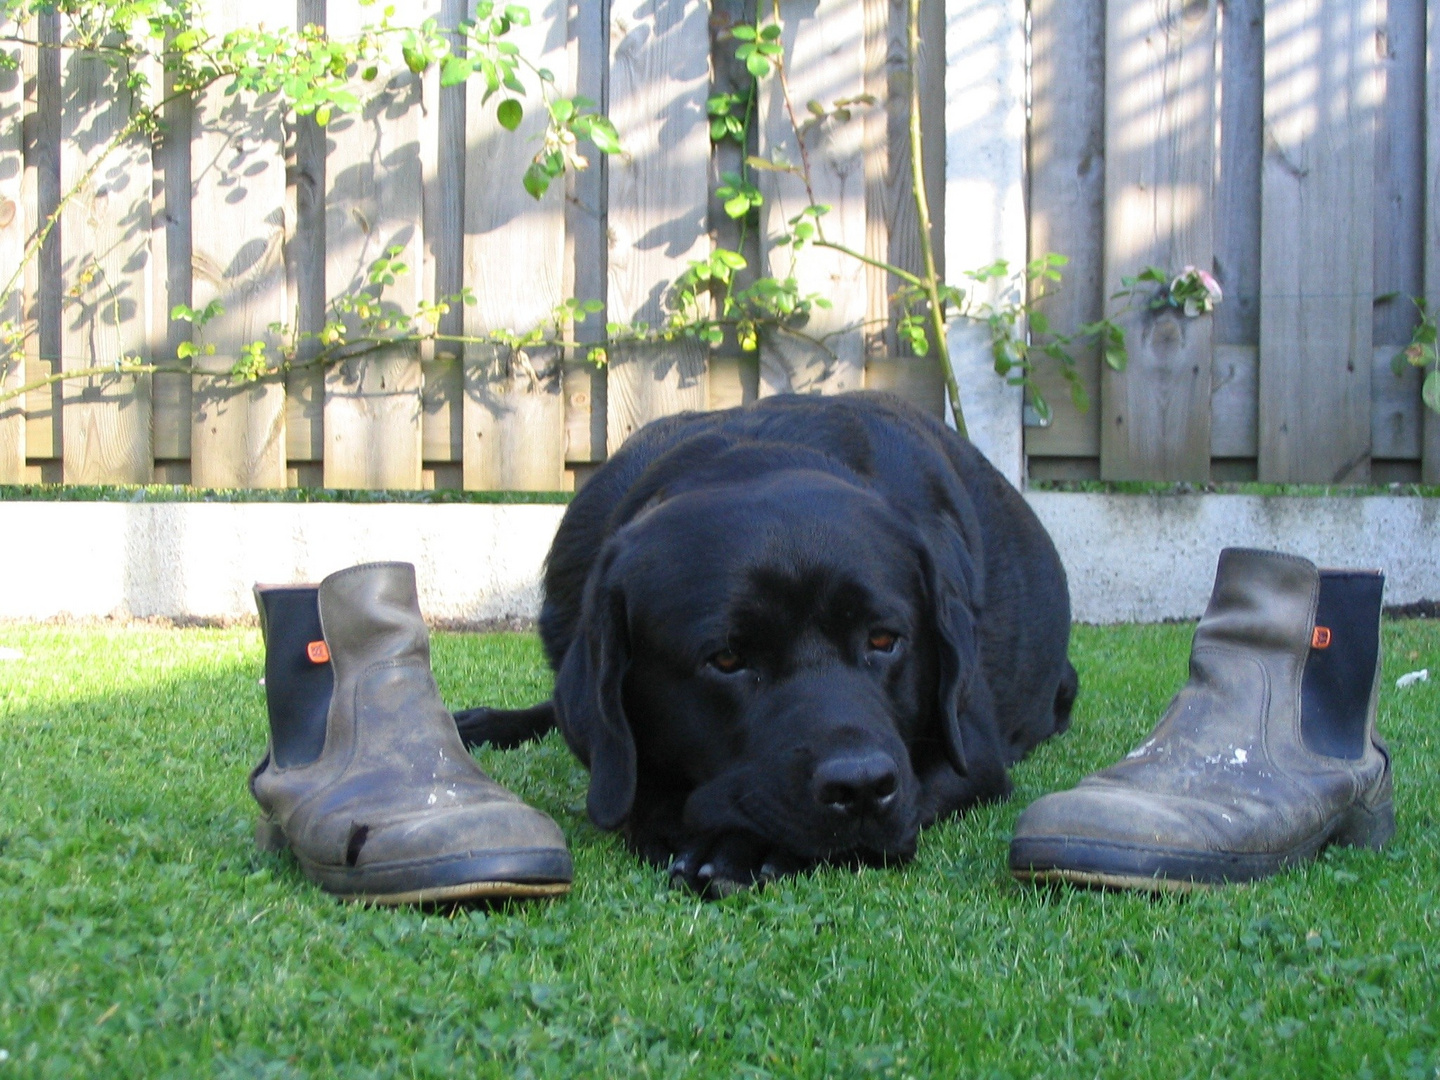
141, 933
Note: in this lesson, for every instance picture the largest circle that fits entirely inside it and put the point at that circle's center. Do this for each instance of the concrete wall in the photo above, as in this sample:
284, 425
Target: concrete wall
1129, 557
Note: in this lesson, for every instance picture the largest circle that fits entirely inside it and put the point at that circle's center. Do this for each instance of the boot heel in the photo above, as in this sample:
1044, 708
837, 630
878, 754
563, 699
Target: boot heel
268, 835
1367, 827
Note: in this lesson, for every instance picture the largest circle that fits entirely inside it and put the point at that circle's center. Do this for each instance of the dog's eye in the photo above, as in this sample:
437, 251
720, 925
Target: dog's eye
882, 640
727, 661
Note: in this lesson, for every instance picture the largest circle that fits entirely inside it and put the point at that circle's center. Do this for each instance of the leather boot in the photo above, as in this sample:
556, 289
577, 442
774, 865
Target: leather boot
366, 779
1268, 753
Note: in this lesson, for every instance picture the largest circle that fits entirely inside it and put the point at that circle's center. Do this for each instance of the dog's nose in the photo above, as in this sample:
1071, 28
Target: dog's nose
856, 784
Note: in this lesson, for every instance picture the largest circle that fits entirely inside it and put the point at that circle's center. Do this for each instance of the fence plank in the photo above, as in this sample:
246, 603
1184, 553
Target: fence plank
1430, 445
373, 204
1237, 191
1399, 174
170, 258
515, 262
659, 78
305, 278
1159, 173
1317, 255
1232, 402
442, 428
237, 236
1067, 202
825, 63
43, 423
105, 251
13, 225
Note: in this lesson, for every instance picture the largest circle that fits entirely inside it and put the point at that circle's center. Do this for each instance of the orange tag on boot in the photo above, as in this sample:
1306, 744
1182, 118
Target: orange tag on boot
319, 652
1320, 639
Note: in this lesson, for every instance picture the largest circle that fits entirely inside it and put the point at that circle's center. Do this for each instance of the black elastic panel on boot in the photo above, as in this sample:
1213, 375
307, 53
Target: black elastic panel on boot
1335, 689
297, 689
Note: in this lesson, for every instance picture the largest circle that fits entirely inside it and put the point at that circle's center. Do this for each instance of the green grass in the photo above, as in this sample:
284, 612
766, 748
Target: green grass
141, 933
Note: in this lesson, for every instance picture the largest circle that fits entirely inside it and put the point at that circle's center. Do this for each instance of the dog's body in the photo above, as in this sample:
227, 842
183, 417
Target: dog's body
796, 631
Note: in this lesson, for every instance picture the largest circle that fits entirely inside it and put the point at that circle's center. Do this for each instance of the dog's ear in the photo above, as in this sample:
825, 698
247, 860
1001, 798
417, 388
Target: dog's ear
589, 704
949, 581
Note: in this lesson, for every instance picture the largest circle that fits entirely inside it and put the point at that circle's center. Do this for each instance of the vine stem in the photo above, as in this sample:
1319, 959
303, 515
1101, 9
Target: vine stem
931, 283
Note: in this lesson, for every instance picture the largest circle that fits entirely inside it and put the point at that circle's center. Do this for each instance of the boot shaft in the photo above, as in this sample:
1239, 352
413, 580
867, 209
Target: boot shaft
299, 680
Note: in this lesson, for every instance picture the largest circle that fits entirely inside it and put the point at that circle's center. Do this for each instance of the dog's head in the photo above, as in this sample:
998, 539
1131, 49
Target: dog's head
780, 646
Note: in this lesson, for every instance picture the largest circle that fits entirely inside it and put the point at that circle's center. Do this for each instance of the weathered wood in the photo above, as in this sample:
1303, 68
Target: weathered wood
238, 260
1399, 172
305, 275
1159, 173
515, 262
1317, 254
659, 77
170, 255
825, 63
442, 425
14, 223
1237, 188
1067, 203
879, 339
374, 209
985, 189
587, 240
43, 418
1233, 396
1430, 427
1395, 409
105, 251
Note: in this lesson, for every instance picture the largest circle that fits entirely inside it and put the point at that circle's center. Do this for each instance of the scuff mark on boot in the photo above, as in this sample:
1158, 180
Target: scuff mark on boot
358, 835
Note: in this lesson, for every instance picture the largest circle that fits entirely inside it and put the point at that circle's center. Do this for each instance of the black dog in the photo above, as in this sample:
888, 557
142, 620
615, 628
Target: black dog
794, 632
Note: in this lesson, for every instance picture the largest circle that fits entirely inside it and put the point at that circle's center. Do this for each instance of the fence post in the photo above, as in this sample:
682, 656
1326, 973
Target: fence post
12, 247
985, 201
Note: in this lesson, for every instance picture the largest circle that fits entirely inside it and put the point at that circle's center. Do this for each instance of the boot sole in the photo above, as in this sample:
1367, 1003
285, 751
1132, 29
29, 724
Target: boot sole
521, 874
1097, 864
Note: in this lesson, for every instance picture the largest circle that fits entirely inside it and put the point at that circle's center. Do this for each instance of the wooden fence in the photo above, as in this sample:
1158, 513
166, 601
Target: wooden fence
1286, 144
1282, 143
273, 216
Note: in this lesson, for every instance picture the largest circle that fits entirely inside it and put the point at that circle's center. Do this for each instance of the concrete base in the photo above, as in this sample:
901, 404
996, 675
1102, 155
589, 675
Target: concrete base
1139, 558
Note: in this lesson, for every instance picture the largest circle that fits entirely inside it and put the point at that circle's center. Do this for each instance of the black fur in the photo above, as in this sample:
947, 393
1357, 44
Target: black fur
898, 615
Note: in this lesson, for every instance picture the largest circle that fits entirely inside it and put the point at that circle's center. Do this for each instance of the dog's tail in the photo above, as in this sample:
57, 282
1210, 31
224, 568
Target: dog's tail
505, 728
1065, 696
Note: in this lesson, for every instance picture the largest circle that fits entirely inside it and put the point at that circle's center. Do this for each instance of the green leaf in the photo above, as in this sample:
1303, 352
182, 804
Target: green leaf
1430, 391
518, 14
733, 259
1039, 322
455, 70
604, 135
757, 65
743, 32
536, 180
737, 207
414, 59
562, 110
510, 112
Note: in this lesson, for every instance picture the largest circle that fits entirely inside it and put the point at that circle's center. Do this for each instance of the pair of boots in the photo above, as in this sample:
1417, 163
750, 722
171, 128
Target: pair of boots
366, 779
1268, 754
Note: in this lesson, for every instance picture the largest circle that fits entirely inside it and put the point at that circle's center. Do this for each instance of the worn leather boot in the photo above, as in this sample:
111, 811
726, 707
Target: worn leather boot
1268, 753
366, 779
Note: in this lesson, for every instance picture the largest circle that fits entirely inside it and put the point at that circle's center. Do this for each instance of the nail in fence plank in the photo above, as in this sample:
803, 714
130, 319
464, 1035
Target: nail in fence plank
825, 63
1430, 447
659, 78
1316, 253
1159, 174
515, 262
42, 273
1067, 203
238, 259
13, 229
373, 204
105, 254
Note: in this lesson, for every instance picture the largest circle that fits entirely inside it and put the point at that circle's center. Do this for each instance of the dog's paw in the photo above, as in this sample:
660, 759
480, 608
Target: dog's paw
719, 866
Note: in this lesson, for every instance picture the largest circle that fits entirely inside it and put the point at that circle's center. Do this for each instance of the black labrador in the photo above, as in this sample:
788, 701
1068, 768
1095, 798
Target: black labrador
796, 632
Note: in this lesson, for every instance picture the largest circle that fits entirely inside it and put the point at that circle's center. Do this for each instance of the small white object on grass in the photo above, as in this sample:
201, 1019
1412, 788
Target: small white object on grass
1410, 678
10, 654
